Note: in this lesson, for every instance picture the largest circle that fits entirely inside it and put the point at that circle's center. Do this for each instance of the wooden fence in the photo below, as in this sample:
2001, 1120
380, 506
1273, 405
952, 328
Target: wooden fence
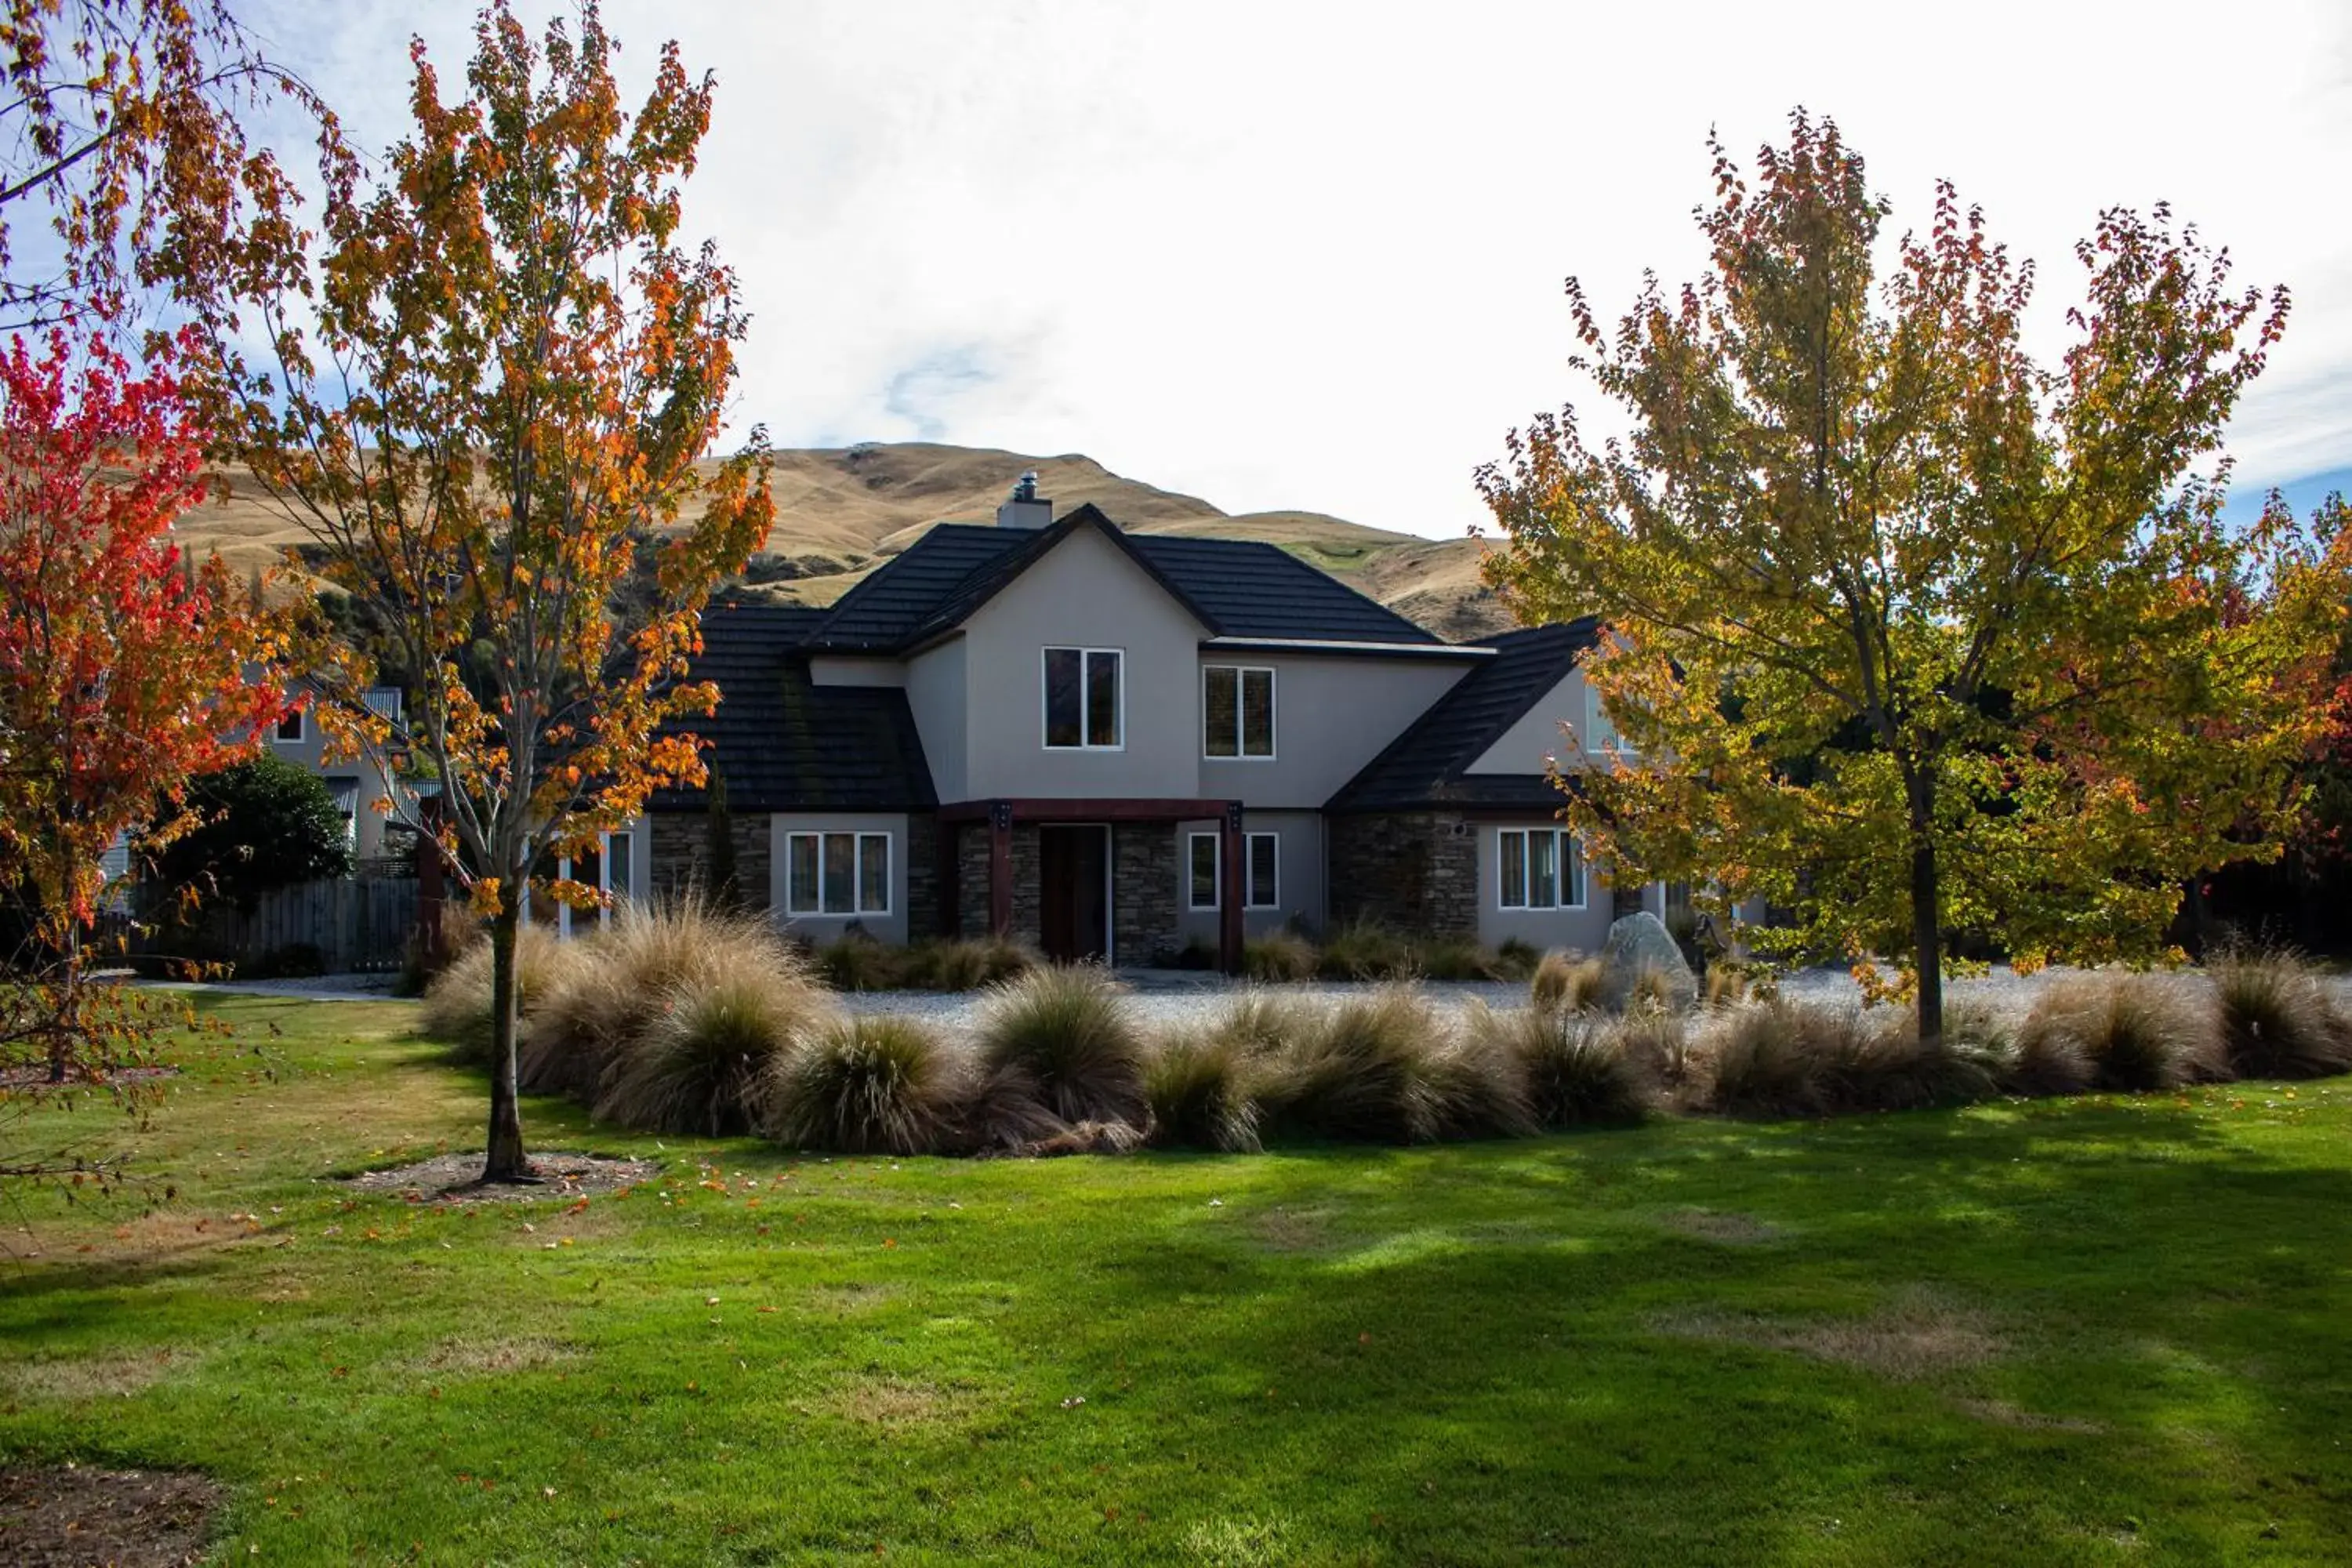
355, 924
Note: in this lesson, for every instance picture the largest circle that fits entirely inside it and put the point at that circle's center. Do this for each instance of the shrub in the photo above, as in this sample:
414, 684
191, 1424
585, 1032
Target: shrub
1068, 1028
863, 1086
1279, 956
1362, 951
1564, 983
708, 1062
1201, 1092
1457, 958
2130, 1031
2276, 1018
615, 980
1574, 1067
1379, 1069
457, 1002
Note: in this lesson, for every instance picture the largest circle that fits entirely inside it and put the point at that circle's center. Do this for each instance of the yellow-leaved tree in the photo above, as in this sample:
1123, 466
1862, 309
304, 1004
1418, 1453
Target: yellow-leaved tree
1915, 636
493, 397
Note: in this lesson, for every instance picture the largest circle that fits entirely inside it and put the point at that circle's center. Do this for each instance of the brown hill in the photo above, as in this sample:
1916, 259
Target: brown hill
840, 511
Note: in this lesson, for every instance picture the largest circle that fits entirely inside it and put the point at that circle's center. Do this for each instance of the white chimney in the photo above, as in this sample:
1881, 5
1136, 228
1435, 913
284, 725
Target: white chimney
1025, 508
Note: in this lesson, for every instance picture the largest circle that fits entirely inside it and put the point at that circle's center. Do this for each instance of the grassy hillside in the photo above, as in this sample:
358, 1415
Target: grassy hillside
842, 511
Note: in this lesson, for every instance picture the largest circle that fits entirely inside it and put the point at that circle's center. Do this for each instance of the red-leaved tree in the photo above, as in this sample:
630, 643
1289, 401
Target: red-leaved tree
124, 670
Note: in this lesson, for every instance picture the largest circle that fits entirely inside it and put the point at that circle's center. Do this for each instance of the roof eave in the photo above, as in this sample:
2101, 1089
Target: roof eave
1338, 645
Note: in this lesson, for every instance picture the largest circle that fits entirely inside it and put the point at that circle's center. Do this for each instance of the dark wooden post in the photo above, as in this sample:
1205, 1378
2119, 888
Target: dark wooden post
1231, 892
999, 869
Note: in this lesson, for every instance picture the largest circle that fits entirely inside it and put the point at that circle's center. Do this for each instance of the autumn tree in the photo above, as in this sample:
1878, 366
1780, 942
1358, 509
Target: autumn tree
493, 398
124, 671
1913, 635
124, 124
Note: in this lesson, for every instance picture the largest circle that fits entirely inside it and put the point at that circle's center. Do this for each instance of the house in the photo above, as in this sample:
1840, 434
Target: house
362, 788
1117, 745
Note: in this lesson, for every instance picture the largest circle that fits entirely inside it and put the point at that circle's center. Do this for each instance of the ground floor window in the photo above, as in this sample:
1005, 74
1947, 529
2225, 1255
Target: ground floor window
1539, 868
837, 873
1260, 868
606, 868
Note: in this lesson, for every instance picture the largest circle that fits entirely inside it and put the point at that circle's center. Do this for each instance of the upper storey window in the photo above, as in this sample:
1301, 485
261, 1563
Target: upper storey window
1085, 700
1236, 711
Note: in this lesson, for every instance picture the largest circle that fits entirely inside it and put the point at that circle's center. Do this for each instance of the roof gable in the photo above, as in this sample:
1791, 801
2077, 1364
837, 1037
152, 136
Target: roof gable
1233, 588
1428, 766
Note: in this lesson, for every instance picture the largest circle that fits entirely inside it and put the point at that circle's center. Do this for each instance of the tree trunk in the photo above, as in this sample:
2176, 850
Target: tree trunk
1926, 912
504, 1162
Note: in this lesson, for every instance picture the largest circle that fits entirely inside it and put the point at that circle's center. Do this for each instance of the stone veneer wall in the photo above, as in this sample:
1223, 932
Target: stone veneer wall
1416, 873
1143, 893
972, 882
681, 854
922, 863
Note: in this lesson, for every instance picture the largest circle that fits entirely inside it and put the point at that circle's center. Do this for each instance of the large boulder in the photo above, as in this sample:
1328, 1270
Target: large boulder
1638, 944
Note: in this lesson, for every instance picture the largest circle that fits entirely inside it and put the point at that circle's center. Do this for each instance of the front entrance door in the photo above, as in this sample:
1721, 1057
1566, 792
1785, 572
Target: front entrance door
1074, 913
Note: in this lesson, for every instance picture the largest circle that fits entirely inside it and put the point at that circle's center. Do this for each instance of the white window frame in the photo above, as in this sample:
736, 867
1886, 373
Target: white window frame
300, 719
1045, 698
1248, 882
565, 913
859, 908
1240, 673
1600, 734
1217, 873
1567, 865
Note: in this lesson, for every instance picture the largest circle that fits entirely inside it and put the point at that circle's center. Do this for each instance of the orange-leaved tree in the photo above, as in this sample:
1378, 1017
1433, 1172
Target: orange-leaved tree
1916, 637
124, 670
493, 404
126, 125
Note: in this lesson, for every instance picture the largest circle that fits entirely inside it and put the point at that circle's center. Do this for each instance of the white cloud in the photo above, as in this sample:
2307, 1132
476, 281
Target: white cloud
1289, 254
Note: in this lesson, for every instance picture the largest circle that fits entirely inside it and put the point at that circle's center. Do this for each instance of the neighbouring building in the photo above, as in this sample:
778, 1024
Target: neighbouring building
1120, 745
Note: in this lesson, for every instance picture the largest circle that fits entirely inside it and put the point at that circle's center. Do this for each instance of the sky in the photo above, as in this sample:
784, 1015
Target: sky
1310, 256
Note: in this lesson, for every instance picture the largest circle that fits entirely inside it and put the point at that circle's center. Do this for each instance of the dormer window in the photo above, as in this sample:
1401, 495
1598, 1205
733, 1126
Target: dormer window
1085, 693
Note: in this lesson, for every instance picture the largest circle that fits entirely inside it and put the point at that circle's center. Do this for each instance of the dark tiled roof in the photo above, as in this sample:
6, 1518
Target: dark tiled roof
1426, 766
1248, 589
1236, 588
784, 744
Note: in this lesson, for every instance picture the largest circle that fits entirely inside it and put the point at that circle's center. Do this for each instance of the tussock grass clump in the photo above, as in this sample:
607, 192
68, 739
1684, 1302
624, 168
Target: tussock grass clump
1456, 959
966, 964
1788, 1058
860, 962
2276, 1018
706, 1063
1368, 1070
1362, 951
1068, 1029
457, 1002
1202, 1093
873, 1085
1565, 982
1517, 959
1261, 1022
1575, 1069
2133, 1032
617, 980
1279, 956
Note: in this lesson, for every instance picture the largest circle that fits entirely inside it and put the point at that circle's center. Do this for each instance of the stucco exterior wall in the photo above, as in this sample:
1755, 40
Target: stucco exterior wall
1332, 714
820, 928
840, 669
939, 700
1299, 869
368, 819
1529, 745
1084, 593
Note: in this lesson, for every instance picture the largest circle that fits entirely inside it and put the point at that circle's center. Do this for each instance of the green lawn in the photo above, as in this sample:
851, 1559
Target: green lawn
2099, 1331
